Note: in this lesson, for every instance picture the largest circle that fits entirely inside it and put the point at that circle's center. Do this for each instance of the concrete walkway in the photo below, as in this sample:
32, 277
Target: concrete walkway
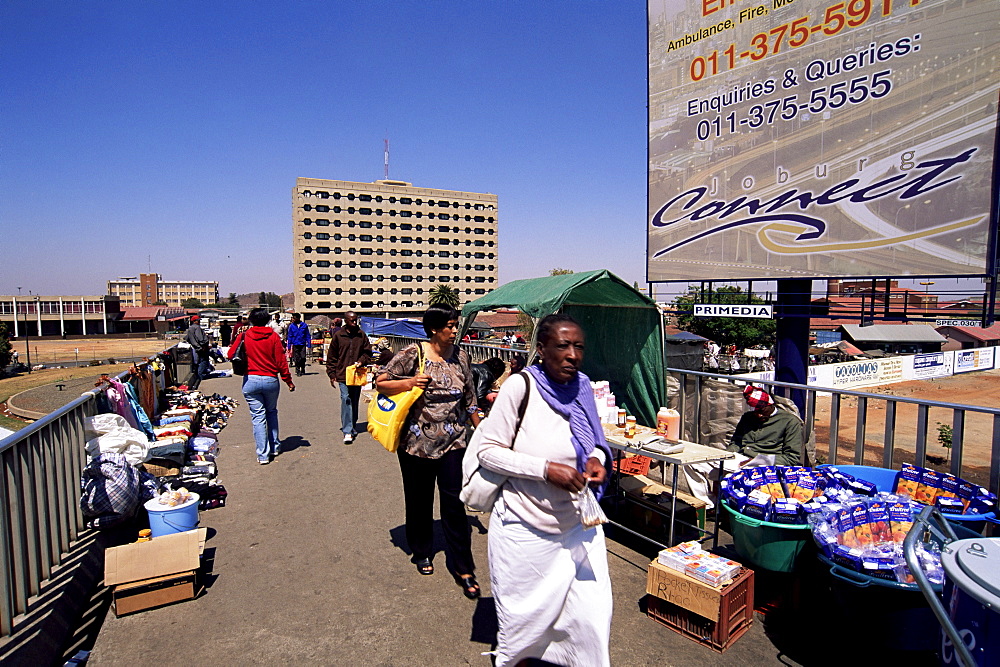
308, 566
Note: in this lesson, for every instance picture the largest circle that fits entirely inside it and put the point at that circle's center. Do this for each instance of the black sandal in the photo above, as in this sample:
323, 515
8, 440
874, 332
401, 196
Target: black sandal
425, 566
470, 587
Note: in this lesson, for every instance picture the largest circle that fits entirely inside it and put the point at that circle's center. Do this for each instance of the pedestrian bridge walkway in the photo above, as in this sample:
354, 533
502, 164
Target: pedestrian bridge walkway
307, 564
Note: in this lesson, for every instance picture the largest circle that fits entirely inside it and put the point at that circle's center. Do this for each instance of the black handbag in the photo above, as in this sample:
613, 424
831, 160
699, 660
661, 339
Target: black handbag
239, 358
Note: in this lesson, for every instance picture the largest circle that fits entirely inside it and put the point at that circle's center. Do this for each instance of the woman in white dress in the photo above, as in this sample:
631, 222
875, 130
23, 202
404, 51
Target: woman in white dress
549, 573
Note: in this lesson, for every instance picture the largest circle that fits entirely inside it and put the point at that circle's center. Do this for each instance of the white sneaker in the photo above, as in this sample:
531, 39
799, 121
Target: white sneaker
348, 439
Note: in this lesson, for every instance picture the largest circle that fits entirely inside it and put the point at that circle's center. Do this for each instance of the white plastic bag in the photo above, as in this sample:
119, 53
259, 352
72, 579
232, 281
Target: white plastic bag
591, 513
115, 436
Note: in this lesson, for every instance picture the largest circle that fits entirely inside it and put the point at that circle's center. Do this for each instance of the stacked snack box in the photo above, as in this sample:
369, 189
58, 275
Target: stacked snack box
695, 562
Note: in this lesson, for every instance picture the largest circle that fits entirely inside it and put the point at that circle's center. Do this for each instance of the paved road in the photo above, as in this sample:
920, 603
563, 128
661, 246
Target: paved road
308, 566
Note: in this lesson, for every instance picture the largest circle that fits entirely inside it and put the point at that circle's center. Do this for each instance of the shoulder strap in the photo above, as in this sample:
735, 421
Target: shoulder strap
420, 358
522, 407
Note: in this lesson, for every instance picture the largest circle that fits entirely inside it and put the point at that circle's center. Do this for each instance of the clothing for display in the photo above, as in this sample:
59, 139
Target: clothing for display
298, 334
265, 353
780, 435
347, 348
549, 575
552, 592
438, 419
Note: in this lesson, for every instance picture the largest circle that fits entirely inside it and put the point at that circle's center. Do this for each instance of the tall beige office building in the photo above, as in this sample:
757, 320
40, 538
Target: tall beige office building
150, 288
379, 248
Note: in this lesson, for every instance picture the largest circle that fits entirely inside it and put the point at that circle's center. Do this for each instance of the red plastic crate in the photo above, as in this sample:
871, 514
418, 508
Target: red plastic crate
633, 465
735, 615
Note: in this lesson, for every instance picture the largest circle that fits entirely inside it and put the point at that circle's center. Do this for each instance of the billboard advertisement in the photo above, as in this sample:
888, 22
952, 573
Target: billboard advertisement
821, 138
979, 359
932, 365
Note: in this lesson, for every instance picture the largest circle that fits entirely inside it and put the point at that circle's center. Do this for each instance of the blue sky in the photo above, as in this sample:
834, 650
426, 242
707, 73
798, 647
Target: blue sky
168, 135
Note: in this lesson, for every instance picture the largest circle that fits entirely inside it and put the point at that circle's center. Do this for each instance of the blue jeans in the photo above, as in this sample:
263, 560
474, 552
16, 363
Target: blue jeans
261, 392
350, 396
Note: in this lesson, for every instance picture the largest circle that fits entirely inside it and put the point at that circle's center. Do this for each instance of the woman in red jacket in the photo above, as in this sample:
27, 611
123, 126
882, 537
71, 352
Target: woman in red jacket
266, 362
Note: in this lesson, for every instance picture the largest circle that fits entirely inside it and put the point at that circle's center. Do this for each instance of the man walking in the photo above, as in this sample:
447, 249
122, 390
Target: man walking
348, 347
298, 340
198, 340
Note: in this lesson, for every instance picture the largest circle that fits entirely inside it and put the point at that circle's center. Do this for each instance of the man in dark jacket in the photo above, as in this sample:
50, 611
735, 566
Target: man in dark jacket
483, 377
348, 347
198, 340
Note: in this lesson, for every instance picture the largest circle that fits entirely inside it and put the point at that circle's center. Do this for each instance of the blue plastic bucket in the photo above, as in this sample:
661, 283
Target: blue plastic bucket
885, 480
904, 620
166, 520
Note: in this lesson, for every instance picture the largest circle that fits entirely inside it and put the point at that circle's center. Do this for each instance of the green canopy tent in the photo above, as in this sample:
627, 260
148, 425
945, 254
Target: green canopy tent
624, 330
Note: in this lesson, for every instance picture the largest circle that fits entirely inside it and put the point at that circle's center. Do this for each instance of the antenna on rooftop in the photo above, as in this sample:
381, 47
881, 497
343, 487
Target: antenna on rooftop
387, 158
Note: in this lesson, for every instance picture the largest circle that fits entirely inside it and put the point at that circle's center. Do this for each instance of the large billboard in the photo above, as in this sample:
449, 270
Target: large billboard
821, 138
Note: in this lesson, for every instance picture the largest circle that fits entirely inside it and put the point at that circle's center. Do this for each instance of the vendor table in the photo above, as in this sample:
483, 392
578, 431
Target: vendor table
693, 453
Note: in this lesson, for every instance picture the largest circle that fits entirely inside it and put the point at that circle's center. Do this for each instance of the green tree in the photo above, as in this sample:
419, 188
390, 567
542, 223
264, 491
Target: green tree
6, 350
233, 301
443, 294
739, 331
526, 325
192, 303
269, 300
560, 272
161, 302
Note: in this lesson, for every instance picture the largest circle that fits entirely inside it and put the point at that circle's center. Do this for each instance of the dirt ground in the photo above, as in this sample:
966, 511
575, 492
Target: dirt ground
975, 389
51, 352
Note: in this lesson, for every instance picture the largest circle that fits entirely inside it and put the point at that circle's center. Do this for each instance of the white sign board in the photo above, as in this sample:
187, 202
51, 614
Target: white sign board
753, 310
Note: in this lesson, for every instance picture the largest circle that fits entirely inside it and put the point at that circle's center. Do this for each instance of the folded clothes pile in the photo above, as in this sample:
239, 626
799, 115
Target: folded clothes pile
187, 444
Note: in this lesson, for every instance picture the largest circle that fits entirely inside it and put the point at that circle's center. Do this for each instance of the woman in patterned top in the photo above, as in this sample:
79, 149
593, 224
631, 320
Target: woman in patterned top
432, 443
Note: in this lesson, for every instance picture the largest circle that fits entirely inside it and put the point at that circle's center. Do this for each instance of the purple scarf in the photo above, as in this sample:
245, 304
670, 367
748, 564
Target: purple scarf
575, 402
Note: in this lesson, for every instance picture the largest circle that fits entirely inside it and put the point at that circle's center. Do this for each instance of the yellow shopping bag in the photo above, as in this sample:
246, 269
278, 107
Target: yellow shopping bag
387, 414
357, 376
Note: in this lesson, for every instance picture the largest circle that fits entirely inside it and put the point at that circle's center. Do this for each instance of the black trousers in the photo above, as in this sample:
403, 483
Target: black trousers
419, 478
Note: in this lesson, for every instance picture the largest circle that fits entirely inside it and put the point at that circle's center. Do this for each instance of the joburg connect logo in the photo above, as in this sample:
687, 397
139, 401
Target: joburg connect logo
385, 403
925, 177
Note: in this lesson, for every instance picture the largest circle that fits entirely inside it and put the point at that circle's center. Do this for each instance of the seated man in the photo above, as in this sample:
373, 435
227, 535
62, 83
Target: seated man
765, 435
767, 431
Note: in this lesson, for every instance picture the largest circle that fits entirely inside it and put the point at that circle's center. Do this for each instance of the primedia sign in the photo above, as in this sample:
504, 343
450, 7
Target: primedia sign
753, 310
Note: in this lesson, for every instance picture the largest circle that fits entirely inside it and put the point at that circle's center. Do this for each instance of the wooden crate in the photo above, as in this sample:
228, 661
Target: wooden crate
735, 615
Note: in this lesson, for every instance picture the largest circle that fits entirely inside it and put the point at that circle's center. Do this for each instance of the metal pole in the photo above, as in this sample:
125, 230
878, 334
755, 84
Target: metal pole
792, 350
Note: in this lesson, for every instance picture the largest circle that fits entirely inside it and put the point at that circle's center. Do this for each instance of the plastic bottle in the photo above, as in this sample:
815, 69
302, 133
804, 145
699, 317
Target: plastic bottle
630, 427
668, 423
621, 417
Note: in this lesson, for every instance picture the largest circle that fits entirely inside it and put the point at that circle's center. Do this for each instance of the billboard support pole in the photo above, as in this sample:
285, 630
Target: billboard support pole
792, 353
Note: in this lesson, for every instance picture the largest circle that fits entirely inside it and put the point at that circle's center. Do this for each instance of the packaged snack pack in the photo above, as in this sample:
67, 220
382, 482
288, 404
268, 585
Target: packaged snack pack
927, 487
907, 480
900, 520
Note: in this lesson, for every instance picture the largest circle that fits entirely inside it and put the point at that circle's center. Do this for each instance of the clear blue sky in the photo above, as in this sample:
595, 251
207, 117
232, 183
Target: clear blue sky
169, 134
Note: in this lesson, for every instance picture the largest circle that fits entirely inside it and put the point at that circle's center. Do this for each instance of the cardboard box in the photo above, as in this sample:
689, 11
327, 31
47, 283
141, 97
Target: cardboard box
691, 594
155, 573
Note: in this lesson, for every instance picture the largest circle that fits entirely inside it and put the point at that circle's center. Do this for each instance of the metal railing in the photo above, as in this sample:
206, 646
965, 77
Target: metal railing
853, 433
477, 352
847, 430
40, 470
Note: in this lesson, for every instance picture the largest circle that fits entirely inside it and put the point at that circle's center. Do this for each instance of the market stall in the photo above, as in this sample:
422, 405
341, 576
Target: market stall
624, 330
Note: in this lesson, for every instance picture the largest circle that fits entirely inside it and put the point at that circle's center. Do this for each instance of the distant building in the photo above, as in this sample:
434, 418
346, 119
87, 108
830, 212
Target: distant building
379, 248
59, 315
149, 288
